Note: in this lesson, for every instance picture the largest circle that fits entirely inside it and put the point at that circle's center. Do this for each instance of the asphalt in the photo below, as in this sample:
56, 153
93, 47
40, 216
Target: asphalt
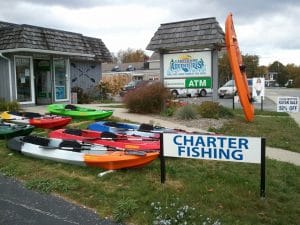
21, 206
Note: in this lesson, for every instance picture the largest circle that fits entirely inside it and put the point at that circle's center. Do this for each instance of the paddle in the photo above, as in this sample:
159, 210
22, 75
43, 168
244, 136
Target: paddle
94, 148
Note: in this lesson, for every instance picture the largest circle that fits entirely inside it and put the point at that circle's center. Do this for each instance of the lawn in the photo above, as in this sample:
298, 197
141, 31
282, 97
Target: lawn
195, 192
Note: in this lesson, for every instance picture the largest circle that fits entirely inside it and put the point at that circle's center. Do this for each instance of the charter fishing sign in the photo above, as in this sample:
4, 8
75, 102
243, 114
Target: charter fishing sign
187, 64
212, 147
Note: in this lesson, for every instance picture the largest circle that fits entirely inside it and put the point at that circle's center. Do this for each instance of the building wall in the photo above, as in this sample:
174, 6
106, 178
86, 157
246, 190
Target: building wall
85, 75
4, 76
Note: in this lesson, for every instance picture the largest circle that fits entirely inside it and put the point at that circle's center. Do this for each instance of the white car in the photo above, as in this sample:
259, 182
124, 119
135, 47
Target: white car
185, 92
229, 89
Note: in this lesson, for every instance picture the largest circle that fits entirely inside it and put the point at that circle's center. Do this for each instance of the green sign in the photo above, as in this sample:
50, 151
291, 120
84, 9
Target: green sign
198, 82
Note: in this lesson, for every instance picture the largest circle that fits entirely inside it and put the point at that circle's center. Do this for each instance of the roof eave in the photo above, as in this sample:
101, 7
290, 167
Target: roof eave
46, 51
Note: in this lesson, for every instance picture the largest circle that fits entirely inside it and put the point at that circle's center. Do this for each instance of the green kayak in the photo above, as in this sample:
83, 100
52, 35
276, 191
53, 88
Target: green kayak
79, 112
9, 130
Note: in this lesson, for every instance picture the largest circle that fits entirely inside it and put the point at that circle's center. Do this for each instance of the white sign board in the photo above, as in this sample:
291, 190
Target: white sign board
258, 88
287, 104
188, 64
211, 147
174, 83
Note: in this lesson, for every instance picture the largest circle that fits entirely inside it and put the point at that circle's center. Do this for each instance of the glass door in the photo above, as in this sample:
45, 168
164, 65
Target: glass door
24, 79
43, 87
61, 85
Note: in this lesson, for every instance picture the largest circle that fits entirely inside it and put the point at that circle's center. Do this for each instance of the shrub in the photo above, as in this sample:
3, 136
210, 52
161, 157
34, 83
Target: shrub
9, 106
82, 97
210, 109
146, 99
186, 112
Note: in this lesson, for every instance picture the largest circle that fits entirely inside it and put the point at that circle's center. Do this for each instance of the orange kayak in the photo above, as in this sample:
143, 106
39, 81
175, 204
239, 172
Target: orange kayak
238, 69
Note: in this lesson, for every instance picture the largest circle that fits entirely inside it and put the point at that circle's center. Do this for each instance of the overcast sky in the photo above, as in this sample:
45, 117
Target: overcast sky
267, 28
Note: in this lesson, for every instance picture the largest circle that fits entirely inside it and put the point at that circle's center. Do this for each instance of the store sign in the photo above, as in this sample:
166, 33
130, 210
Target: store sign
211, 147
288, 104
187, 64
204, 82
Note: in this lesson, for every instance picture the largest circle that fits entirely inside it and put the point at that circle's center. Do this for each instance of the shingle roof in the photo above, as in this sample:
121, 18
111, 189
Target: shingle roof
189, 34
13, 36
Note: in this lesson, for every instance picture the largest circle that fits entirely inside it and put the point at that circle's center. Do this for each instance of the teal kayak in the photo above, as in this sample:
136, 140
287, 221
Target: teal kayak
79, 112
9, 130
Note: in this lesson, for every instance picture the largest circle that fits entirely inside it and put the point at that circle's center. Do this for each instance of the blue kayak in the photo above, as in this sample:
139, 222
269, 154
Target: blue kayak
144, 130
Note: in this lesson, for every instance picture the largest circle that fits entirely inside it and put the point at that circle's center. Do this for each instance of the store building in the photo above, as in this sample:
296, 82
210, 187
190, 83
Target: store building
40, 65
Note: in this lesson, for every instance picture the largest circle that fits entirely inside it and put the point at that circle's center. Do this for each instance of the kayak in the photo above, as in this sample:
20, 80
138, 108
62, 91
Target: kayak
107, 139
79, 112
238, 69
36, 119
77, 153
9, 130
144, 130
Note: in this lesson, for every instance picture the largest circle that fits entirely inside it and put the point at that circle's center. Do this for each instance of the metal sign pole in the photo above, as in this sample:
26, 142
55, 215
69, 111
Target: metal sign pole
263, 169
162, 160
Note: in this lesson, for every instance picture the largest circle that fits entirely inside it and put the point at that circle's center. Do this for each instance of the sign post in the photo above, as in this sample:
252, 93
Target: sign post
211, 147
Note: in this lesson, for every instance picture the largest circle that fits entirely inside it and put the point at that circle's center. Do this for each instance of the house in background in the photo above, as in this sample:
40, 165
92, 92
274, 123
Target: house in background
40, 65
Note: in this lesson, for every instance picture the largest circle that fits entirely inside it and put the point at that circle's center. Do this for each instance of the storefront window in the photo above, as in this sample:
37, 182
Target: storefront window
60, 77
24, 79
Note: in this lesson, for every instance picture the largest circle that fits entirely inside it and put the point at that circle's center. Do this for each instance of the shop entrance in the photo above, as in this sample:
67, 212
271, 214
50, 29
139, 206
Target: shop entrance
43, 81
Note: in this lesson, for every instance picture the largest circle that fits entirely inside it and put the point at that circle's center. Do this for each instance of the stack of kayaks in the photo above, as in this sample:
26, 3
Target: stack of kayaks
108, 139
9, 130
36, 119
78, 153
79, 112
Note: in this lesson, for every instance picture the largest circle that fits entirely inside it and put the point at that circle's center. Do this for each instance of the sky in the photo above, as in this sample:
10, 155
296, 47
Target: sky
269, 28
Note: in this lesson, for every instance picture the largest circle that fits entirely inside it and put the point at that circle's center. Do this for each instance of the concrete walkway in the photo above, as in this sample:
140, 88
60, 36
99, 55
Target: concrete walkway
272, 153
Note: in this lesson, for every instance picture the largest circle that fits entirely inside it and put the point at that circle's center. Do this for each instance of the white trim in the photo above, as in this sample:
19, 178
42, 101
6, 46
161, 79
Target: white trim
31, 80
9, 75
45, 51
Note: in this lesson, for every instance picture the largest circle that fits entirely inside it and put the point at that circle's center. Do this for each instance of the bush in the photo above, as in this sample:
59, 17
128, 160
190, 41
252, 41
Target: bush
146, 99
82, 97
9, 106
210, 109
186, 112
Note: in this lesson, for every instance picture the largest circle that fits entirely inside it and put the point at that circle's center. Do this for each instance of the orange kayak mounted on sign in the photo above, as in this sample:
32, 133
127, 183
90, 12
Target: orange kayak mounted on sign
238, 69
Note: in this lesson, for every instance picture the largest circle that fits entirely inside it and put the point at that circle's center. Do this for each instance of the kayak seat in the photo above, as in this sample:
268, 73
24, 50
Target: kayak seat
36, 140
108, 135
76, 132
31, 114
73, 145
111, 124
146, 127
72, 107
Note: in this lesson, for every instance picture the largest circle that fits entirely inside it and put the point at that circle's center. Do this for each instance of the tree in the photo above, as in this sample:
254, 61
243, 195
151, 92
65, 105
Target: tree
224, 69
251, 62
131, 55
279, 69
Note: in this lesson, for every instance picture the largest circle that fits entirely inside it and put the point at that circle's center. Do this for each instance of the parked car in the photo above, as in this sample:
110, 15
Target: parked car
132, 85
116, 69
130, 68
229, 89
184, 92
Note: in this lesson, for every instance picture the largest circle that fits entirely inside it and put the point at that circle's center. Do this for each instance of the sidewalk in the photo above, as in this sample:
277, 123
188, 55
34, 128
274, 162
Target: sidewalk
271, 153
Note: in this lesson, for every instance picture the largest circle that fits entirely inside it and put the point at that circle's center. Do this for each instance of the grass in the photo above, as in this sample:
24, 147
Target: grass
280, 130
195, 191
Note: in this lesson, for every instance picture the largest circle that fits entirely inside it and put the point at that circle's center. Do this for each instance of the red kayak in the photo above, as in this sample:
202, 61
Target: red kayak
107, 139
36, 119
50, 122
